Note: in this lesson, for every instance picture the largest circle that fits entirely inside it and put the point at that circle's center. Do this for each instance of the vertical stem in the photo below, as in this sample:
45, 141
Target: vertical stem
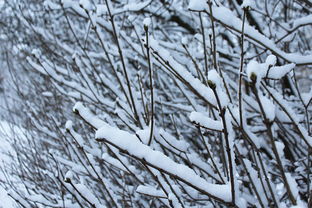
222, 111
267, 179
240, 157
309, 192
151, 85
136, 115
269, 125
215, 65
241, 72
204, 43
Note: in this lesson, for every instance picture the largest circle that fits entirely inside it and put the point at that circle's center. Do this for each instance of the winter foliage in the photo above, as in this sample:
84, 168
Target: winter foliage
169, 103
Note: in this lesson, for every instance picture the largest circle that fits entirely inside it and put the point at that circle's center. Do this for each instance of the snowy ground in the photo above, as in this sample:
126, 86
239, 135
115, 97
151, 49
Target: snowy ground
5, 200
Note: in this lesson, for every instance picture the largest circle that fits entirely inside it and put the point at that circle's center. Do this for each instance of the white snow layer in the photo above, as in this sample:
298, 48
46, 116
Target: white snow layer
198, 5
130, 144
229, 19
268, 107
5, 147
86, 4
206, 122
151, 191
147, 21
267, 69
248, 3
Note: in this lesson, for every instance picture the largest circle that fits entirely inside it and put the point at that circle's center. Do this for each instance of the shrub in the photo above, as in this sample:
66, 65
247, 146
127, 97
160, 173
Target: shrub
177, 104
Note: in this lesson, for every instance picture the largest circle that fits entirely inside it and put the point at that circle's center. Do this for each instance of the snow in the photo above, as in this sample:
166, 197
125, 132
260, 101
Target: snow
69, 176
67, 3
151, 191
202, 90
68, 125
86, 4
215, 77
230, 20
87, 115
132, 7
268, 107
290, 114
107, 158
47, 94
144, 135
277, 72
130, 144
255, 177
271, 60
101, 9
1, 3
254, 70
248, 3
147, 21
303, 21
293, 185
198, 5
267, 69
206, 122
184, 40
181, 145
5, 147
125, 152
81, 188
280, 148
307, 97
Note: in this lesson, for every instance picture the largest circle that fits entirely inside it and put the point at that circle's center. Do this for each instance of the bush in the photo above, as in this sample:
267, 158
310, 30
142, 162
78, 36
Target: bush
177, 103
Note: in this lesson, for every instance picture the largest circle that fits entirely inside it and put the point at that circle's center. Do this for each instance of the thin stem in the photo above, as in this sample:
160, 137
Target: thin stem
150, 69
204, 43
222, 111
123, 63
215, 65
269, 125
241, 72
